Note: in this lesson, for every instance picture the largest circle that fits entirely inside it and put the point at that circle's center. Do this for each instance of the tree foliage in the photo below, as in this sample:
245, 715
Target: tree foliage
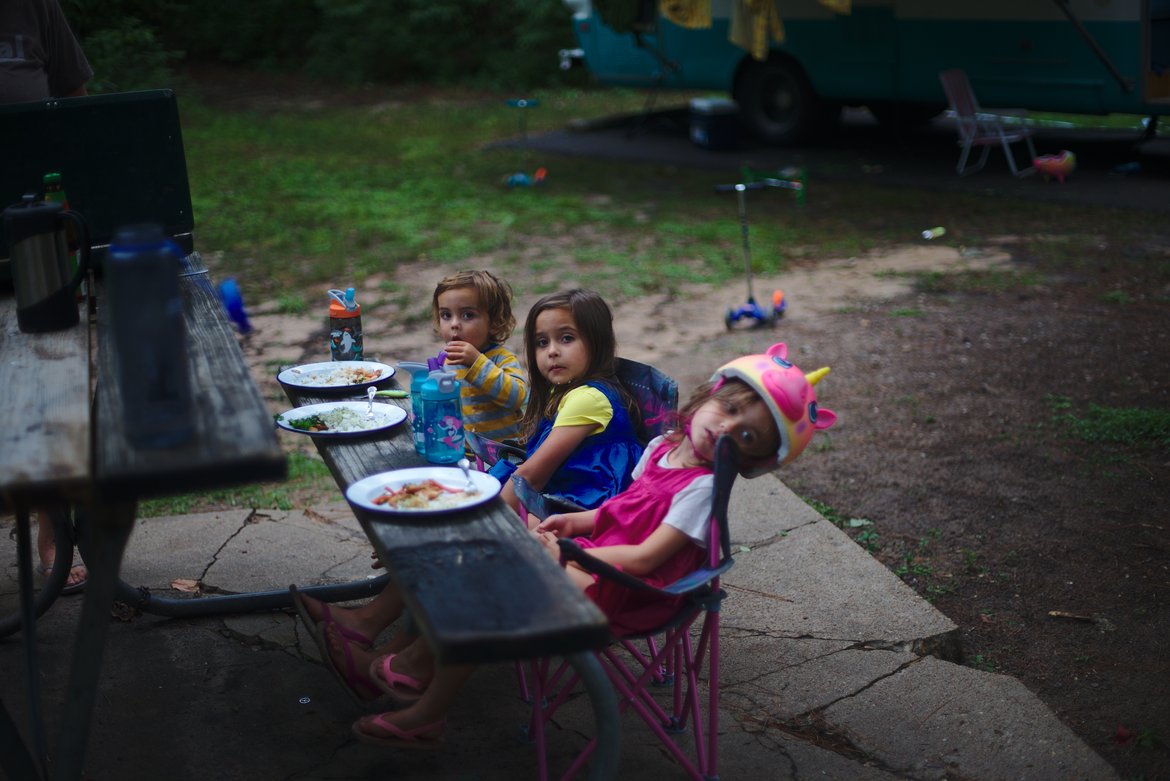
498, 43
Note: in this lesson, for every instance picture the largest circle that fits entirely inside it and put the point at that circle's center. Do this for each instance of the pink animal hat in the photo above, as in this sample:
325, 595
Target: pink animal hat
788, 392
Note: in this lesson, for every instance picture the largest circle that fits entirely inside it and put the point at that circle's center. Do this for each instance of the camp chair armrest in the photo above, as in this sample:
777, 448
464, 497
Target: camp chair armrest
539, 504
489, 451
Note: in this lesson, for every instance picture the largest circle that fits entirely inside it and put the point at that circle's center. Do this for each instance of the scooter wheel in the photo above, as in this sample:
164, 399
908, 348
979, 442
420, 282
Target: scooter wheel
729, 321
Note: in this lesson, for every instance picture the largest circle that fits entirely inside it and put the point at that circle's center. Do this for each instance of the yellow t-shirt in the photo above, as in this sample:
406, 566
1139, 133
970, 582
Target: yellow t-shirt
583, 406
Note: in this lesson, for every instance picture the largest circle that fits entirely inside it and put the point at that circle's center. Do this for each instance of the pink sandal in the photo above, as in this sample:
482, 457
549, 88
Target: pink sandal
402, 738
364, 691
353, 635
404, 687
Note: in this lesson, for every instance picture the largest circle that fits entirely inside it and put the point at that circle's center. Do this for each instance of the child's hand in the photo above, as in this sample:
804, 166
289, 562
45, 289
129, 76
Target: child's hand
548, 541
558, 525
462, 353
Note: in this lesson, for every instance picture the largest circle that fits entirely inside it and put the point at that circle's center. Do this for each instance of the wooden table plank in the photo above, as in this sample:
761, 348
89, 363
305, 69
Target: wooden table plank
45, 416
235, 441
479, 587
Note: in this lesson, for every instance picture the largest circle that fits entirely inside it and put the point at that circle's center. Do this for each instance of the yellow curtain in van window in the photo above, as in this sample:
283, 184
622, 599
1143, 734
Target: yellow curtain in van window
753, 22
691, 14
838, 6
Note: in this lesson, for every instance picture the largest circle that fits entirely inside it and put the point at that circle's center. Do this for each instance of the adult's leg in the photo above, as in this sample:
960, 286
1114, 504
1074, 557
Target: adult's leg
47, 551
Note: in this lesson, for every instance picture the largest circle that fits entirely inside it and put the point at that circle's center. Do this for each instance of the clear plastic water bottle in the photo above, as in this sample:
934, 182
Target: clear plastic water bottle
150, 336
418, 375
442, 418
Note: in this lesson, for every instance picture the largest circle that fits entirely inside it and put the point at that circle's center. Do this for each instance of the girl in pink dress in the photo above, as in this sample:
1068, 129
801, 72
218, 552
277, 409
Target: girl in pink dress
657, 529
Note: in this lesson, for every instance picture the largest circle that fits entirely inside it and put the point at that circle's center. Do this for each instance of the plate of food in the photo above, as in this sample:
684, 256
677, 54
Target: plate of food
340, 418
335, 375
422, 491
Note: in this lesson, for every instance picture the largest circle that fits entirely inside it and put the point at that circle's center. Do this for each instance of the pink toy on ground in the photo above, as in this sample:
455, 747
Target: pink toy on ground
1060, 165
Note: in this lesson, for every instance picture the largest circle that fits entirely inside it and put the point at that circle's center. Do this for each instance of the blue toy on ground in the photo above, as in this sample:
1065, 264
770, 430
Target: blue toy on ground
750, 311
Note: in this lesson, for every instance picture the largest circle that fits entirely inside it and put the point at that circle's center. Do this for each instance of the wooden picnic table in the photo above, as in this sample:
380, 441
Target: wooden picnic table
478, 587
60, 443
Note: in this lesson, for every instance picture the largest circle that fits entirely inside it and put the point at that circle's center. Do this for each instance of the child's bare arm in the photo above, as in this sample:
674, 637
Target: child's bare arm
647, 556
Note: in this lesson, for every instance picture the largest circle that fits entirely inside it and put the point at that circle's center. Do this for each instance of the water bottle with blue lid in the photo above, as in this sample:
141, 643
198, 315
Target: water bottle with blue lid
418, 375
442, 418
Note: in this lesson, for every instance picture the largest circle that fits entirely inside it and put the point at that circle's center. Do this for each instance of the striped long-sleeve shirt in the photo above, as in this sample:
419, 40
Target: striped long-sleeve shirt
494, 392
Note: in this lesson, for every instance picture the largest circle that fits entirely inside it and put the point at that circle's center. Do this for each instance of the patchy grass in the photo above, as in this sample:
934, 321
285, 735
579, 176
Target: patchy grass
1133, 427
305, 475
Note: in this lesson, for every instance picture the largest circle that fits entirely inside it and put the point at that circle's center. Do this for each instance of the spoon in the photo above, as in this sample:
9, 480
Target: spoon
465, 465
370, 412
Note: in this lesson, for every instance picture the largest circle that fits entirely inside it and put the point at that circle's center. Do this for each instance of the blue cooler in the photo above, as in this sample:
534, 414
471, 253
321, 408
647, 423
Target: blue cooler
715, 123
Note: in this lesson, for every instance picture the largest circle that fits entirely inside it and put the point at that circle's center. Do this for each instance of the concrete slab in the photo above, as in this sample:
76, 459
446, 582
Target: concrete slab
804, 577
823, 672
933, 719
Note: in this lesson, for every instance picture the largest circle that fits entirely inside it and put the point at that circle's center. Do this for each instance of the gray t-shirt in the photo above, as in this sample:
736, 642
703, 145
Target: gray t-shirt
39, 55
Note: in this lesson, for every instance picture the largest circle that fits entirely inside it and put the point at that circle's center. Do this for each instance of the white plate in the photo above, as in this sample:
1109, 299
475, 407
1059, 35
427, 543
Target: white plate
328, 377
363, 492
385, 416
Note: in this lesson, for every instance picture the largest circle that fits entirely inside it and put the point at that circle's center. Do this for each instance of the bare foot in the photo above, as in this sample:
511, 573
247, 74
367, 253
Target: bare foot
74, 581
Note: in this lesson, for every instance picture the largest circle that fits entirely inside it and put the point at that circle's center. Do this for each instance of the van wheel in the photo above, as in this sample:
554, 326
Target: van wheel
777, 104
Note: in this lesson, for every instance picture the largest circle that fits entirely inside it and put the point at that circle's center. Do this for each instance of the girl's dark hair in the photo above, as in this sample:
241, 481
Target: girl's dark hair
495, 298
595, 325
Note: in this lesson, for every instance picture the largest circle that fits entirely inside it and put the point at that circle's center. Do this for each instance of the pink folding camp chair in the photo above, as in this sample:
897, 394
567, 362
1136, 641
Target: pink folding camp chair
636, 673
977, 128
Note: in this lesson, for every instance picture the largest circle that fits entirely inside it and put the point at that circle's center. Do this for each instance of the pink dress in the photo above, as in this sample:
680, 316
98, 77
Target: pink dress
628, 519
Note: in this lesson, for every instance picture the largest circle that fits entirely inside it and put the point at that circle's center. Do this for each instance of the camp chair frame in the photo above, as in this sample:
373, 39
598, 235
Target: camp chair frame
552, 685
977, 128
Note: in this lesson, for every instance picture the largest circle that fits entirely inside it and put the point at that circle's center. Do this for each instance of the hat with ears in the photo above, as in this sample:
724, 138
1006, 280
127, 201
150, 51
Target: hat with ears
790, 397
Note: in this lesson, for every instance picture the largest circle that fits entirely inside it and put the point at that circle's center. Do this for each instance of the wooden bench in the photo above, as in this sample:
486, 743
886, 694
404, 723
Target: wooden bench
478, 587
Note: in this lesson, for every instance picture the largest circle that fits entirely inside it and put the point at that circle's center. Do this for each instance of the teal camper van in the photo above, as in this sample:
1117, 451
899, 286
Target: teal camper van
1072, 56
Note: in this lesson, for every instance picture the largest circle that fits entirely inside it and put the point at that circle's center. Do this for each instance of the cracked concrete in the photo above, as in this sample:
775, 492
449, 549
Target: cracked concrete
827, 669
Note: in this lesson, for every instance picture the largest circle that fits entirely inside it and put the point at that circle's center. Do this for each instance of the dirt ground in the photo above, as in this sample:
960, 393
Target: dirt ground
1049, 553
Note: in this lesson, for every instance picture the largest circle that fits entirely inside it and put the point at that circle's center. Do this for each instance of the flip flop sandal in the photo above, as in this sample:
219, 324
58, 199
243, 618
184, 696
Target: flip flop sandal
402, 738
45, 571
351, 679
401, 686
303, 611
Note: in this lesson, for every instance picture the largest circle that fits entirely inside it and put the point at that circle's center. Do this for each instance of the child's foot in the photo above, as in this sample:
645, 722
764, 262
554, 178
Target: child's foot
349, 662
316, 613
393, 674
380, 730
